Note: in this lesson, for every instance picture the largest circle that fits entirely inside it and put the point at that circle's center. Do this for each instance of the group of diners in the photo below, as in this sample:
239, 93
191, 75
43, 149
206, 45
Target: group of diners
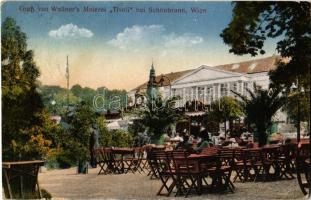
195, 143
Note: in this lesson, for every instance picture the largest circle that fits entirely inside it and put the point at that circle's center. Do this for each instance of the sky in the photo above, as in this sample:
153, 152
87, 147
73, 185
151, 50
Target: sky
115, 48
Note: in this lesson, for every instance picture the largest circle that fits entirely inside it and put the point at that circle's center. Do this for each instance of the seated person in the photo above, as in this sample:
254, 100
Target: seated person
184, 144
204, 143
178, 137
240, 141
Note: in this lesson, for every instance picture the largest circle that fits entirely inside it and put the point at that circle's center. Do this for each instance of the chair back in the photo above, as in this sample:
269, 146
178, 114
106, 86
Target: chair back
162, 163
182, 164
209, 150
99, 155
227, 156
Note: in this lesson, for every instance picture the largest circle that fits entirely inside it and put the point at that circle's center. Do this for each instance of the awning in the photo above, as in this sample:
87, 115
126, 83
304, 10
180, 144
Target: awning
194, 114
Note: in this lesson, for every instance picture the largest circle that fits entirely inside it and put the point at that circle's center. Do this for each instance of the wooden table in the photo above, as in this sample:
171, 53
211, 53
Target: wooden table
20, 169
123, 152
201, 158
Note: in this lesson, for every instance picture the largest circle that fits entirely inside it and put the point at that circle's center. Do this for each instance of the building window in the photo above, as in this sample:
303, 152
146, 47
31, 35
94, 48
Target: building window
216, 91
194, 95
223, 90
201, 94
209, 94
240, 87
233, 87
187, 94
174, 92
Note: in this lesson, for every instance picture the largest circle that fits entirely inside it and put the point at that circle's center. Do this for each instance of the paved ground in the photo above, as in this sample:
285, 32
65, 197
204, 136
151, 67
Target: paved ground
67, 184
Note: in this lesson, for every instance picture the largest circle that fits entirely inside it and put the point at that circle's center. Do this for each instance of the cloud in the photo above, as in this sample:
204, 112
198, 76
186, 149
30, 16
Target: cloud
152, 36
70, 30
137, 35
185, 40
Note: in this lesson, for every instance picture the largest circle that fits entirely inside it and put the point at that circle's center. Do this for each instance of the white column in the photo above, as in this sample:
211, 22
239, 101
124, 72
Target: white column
196, 93
242, 88
183, 96
215, 90
205, 95
219, 91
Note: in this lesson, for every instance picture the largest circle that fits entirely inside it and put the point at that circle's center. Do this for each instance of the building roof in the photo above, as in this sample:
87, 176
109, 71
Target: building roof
246, 67
166, 80
252, 66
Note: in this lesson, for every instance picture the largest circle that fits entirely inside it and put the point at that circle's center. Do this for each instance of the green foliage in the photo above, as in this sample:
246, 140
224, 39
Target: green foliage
291, 106
254, 22
23, 117
261, 107
289, 22
224, 109
59, 95
105, 136
79, 132
112, 99
121, 138
158, 115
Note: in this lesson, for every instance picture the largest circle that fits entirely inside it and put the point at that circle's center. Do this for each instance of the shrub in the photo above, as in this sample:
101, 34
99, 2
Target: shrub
121, 138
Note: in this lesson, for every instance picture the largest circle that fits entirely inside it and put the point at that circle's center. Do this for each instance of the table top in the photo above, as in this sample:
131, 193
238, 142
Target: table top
122, 150
30, 162
200, 156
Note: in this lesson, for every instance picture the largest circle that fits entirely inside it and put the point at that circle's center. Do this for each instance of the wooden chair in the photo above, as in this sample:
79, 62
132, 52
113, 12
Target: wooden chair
164, 171
226, 157
101, 160
242, 165
285, 160
303, 167
189, 173
136, 162
270, 160
259, 164
114, 165
152, 172
129, 163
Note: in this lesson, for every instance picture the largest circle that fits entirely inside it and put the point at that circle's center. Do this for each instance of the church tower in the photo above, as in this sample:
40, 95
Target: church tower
152, 77
152, 87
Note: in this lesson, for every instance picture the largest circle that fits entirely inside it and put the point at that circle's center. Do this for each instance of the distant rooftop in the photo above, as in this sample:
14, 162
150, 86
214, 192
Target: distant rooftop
171, 76
252, 66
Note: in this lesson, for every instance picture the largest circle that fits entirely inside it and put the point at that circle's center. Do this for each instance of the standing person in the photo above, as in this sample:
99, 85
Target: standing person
93, 144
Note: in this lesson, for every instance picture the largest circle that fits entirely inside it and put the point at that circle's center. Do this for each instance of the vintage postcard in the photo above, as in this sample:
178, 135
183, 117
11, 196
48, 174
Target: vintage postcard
155, 99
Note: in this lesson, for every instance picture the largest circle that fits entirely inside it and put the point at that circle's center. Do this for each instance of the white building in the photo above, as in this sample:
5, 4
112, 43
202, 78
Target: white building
207, 83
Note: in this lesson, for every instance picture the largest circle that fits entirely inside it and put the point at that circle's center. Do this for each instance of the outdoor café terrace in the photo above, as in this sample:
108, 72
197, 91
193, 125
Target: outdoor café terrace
151, 172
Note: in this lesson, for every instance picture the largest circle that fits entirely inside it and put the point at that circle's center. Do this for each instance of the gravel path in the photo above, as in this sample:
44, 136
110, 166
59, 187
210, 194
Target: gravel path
66, 184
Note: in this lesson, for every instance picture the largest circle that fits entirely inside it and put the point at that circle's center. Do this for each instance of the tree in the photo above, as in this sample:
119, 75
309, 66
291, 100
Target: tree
289, 23
158, 115
105, 136
225, 109
23, 133
80, 122
59, 96
260, 108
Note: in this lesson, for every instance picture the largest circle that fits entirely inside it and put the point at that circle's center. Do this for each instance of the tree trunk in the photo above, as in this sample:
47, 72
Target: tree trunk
262, 138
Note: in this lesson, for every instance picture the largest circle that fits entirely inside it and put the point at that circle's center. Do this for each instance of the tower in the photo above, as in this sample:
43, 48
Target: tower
152, 77
152, 87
